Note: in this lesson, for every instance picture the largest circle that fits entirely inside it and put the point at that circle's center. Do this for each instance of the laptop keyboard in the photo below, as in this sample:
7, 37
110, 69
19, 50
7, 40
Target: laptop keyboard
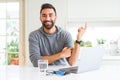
70, 69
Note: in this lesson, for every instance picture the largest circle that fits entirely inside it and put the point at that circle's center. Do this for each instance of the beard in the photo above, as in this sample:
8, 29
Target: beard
48, 26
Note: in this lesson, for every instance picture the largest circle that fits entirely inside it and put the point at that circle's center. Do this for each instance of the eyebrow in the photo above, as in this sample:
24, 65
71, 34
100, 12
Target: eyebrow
48, 14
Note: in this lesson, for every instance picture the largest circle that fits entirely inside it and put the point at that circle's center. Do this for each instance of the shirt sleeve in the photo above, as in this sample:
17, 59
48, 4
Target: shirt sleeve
68, 40
34, 52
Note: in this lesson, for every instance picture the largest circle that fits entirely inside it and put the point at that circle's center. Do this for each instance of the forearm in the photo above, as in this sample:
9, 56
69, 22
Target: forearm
34, 59
75, 53
52, 58
74, 56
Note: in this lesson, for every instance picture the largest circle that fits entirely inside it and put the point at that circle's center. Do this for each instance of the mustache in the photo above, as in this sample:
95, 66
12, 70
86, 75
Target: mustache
47, 21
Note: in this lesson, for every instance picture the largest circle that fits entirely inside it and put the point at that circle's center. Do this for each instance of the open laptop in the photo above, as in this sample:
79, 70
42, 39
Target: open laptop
90, 59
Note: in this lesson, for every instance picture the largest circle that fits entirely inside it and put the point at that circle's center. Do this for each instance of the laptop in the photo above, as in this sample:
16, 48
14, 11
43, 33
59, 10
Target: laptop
90, 59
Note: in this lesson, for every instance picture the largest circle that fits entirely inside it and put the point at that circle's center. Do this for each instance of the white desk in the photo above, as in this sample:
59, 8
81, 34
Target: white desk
31, 73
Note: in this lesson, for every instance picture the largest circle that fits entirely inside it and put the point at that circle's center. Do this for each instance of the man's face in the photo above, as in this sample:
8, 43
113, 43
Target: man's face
48, 18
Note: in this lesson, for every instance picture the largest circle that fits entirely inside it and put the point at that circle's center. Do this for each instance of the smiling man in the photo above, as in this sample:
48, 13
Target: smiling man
51, 42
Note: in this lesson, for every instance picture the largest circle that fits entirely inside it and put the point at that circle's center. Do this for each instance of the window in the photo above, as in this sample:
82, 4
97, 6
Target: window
103, 23
100, 32
10, 36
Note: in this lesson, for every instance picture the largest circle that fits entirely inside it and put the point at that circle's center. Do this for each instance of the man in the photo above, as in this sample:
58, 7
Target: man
51, 42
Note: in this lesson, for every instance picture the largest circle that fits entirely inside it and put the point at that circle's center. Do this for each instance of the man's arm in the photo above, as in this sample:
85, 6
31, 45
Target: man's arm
66, 52
35, 54
34, 49
75, 52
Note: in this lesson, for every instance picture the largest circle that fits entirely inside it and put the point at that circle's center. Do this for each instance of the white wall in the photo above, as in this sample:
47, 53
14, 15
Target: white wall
32, 17
93, 9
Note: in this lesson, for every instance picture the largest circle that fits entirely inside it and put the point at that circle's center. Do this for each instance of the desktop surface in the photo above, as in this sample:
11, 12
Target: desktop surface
106, 72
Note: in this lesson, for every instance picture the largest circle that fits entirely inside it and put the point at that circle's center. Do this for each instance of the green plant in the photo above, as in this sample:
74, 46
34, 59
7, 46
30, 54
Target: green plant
12, 46
101, 41
11, 56
85, 44
88, 44
82, 44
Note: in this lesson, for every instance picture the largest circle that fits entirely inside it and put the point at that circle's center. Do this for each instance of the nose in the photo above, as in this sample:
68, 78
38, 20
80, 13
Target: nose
47, 17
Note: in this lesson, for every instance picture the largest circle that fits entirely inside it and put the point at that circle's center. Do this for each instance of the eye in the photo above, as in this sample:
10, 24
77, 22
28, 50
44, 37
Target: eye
51, 15
43, 15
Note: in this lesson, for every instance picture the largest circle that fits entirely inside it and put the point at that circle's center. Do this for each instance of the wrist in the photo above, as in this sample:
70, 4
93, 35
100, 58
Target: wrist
61, 55
78, 42
78, 37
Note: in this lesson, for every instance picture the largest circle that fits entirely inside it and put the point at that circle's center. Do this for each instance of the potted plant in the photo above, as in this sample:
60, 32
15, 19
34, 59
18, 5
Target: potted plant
12, 48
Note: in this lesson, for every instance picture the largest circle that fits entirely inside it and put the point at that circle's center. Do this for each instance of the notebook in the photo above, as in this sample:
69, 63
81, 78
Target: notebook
90, 59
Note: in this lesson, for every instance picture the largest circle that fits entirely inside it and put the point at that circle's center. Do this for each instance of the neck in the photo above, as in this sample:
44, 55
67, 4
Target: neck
50, 31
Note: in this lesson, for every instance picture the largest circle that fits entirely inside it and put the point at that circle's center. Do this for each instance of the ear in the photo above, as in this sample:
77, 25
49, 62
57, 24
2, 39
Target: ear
55, 17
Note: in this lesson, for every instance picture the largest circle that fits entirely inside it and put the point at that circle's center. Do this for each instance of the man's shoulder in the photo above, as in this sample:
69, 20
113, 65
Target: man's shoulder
64, 31
35, 32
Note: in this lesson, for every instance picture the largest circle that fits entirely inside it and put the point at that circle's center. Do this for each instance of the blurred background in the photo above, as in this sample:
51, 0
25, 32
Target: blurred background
19, 17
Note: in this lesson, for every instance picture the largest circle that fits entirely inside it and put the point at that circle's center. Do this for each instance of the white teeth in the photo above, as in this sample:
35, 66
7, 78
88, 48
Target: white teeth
47, 22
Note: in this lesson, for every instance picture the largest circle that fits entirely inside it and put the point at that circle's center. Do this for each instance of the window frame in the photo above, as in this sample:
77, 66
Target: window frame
21, 43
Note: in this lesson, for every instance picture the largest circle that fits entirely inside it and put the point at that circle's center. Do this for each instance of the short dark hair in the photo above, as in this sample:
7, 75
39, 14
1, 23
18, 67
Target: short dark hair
47, 5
